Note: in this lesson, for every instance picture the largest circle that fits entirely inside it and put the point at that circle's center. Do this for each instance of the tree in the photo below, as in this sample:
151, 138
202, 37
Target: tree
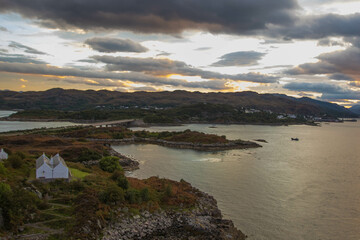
109, 164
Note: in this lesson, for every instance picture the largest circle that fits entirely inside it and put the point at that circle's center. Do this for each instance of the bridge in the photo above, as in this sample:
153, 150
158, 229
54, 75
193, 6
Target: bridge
124, 122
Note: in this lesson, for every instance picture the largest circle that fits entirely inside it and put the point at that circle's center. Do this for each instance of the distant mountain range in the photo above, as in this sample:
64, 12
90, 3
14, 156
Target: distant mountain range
71, 100
355, 109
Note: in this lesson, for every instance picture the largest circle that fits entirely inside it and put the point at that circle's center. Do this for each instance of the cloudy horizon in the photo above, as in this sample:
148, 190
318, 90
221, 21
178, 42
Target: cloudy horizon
299, 48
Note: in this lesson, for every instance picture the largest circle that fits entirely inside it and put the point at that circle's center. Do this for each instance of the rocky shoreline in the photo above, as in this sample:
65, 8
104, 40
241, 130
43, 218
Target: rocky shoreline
236, 144
204, 221
127, 163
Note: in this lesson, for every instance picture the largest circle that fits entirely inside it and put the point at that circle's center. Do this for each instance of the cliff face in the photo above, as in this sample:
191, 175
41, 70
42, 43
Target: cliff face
202, 222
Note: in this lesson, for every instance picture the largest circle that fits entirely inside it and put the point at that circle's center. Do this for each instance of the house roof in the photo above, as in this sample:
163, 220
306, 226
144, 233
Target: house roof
41, 160
56, 161
52, 162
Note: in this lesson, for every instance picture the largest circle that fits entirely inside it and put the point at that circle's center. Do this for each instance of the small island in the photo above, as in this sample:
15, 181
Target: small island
98, 201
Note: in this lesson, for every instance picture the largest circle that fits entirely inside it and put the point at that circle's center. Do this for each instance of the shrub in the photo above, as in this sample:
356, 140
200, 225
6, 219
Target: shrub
133, 196
3, 170
145, 196
15, 161
122, 182
77, 186
112, 194
117, 173
109, 164
89, 214
168, 191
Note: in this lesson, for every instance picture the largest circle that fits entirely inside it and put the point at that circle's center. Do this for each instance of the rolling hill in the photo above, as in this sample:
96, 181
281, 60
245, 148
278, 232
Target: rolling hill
71, 100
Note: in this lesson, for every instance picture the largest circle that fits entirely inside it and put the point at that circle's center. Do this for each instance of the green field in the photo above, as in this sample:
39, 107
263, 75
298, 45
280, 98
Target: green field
77, 174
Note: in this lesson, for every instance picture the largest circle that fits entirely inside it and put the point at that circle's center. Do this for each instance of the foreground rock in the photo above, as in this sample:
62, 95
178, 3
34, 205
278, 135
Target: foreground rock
202, 222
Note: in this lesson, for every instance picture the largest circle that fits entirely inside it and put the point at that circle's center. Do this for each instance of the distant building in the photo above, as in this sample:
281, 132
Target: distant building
3, 155
53, 168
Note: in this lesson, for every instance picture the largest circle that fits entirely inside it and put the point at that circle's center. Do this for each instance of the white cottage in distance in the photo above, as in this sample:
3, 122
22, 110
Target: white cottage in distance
3, 155
53, 168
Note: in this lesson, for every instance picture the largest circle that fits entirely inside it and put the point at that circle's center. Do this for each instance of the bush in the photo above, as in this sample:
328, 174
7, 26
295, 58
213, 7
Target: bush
15, 161
144, 194
109, 164
122, 182
77, 186
117, 173
168, 191
3, 170
112, 194
133, 196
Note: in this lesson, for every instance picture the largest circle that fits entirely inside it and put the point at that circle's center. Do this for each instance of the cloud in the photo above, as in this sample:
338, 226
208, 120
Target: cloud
339, 64
162, 16
330, 92
163, 67
163, 54
110, 77
202, 48
330, 42
112, 45
87, 61
26, 48
3, 29
243, 58
18, 58
317, 27
340, 76
355, 84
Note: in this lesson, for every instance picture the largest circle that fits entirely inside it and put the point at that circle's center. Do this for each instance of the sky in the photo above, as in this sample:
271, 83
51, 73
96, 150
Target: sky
304, 48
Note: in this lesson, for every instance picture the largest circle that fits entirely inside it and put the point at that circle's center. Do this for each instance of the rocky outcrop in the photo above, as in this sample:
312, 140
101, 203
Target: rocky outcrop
202, 222
234, 144
127, 163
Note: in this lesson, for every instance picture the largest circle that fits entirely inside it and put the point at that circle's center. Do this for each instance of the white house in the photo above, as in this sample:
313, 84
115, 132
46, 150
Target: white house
54, 168
3, 155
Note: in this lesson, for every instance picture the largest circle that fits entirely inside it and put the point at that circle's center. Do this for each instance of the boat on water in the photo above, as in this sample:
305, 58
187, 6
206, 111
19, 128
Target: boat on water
213, 126
294, 139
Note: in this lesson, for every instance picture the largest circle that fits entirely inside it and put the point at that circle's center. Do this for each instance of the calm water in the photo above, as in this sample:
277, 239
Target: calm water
286, 190
6, 126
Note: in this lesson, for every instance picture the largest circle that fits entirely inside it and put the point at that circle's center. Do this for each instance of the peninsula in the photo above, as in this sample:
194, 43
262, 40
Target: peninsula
100, 202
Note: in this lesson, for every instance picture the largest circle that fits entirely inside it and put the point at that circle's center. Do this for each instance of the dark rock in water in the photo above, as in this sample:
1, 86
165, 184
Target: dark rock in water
203, 222
261, 140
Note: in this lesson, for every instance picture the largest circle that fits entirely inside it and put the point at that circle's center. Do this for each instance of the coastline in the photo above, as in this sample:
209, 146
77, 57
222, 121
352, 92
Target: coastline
236, 144
204, 221
163, 124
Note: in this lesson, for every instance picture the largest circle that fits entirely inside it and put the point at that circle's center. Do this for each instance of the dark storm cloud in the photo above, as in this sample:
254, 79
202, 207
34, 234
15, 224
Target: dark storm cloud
338, 62
243, 58
163, 67
329, 91
160, 16
42, 69
25, 48
112, 45
317, 27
